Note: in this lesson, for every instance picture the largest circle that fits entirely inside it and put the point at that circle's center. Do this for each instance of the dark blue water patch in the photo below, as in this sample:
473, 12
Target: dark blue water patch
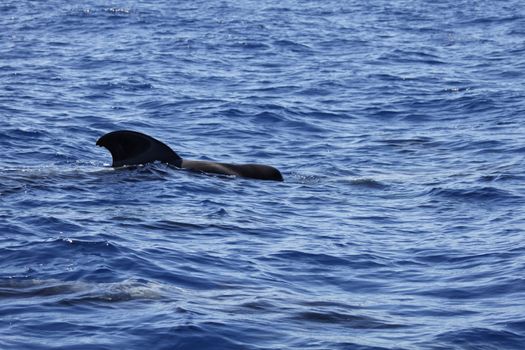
366, 183
472, 104
439, 310
251, 46
172, 226
475, 195
320, 261
57, 252
507, 288
416, 142
192, 336
11, 230
403, 56
459, 260
474, 338
17, 134
494, 20
517, 326
129, 85
344, 320
51, 224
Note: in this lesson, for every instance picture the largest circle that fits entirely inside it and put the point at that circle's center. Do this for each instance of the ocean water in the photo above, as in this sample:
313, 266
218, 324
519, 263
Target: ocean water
397, 125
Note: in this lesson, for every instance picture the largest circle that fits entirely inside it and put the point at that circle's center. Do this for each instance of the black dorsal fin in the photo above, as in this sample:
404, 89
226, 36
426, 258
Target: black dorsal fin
134, 148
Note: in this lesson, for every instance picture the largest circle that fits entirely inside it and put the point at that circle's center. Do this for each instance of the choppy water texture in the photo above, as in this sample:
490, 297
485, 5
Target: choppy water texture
398, 126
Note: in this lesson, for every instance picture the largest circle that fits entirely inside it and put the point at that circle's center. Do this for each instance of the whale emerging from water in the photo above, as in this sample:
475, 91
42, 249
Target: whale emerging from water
134, 148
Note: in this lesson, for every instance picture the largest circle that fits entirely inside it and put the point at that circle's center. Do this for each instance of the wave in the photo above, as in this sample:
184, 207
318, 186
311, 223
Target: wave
478, 194
77, 292
482, 338
344, 320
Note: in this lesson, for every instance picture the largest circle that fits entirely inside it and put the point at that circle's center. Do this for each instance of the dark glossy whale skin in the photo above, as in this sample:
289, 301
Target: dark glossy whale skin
133, 148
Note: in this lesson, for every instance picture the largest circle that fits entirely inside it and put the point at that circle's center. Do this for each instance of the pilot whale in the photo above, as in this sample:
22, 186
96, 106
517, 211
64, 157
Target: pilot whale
133, 148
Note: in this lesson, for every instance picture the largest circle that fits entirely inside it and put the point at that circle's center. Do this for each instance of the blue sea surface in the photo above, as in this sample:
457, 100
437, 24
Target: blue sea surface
398, 127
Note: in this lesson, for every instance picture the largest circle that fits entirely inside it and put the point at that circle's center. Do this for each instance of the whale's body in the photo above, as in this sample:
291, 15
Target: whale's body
134, 148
